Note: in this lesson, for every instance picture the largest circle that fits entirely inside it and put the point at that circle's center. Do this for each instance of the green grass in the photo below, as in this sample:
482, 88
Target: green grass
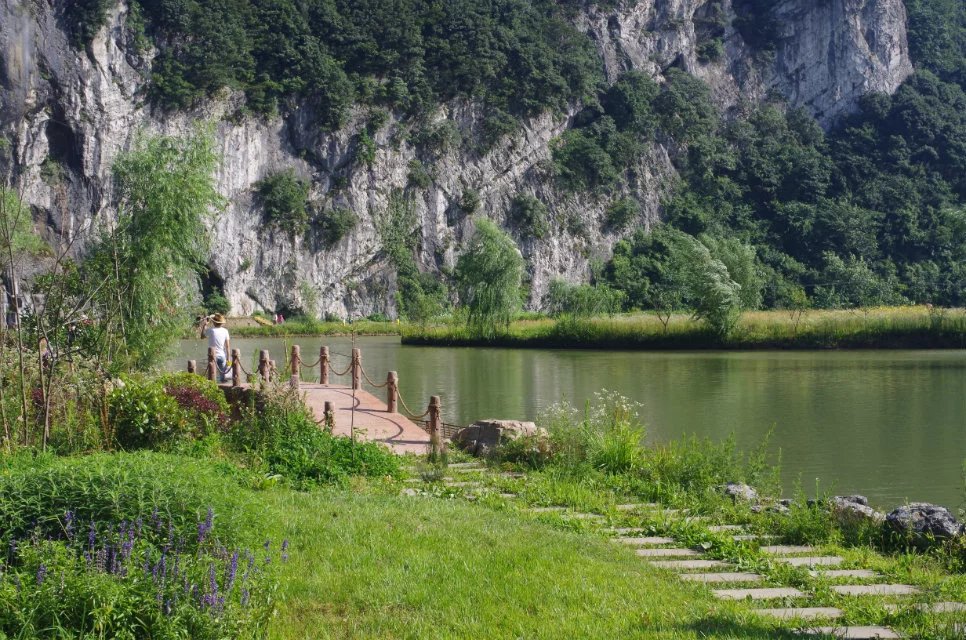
880, 328
378, 566
309, 327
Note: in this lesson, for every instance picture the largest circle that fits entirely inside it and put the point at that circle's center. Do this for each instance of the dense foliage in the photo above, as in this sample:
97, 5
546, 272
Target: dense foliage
517, 57
489, 275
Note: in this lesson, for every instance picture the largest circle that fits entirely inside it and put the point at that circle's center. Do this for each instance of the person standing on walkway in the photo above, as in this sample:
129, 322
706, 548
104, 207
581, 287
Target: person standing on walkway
218, 338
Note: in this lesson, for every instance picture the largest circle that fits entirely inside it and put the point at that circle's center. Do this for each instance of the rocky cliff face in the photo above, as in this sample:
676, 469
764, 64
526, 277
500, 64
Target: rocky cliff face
68, 113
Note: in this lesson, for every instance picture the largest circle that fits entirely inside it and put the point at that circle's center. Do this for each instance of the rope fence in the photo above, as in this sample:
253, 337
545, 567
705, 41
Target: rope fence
266, 372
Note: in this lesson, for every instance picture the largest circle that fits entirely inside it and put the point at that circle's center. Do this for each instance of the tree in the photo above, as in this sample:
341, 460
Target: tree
150, 259
714, 295
489, 274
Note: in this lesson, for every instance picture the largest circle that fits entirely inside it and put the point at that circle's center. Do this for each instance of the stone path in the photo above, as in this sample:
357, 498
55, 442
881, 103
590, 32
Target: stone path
726, 582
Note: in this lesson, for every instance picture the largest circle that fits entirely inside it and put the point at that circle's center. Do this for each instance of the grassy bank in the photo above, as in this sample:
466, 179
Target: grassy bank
309, 327
881, 328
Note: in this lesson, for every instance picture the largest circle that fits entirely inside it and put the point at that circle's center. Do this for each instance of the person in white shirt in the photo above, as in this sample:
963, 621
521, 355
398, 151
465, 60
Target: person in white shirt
218, 338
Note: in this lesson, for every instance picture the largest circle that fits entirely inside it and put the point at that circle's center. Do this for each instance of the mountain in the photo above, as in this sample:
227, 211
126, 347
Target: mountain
360, 137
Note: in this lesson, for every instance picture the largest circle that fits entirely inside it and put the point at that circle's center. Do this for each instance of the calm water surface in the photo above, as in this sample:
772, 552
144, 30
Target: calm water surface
889, 424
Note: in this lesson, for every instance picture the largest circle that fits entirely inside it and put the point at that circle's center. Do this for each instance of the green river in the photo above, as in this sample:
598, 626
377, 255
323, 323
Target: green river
887, 424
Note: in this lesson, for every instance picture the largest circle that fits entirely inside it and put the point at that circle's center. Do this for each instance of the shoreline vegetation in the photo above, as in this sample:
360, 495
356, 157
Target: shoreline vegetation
880, 328
919, 327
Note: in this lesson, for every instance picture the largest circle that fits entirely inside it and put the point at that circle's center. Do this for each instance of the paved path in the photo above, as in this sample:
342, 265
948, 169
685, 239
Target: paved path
372, 420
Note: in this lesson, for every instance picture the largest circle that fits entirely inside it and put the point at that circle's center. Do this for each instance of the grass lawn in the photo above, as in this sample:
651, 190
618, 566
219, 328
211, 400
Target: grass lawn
375, 566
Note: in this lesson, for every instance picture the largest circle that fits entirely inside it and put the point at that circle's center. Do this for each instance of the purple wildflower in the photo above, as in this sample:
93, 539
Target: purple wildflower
285, 550
232, 572
41, 574
244, 597
101, 560
204, 528
69, 524
137, 526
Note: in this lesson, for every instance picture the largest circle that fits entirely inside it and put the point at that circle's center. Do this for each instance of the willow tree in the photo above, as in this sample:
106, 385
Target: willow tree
489, 274
151, 257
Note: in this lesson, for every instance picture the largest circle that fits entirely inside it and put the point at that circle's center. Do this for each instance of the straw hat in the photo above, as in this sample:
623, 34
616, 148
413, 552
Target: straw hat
218, 319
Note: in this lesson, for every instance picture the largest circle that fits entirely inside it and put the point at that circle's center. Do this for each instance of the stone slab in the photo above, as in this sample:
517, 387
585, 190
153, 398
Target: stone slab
668, 553
637, 506
459, 466
625, 530
787, 549
813, 561
547, 509
720, 577
802, 613
646, 542
508, 496
689, 564
771, 593
458, 485
721, 528
582, 516
844, 573
855, 633
751, 537
875, 590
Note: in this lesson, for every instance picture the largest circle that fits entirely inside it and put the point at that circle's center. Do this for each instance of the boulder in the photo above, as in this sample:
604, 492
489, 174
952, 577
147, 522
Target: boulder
854, 508
738, 491
485, 435
924, 521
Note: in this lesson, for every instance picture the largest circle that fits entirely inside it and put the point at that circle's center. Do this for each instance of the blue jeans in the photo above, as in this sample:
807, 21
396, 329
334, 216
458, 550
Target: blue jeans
220, 365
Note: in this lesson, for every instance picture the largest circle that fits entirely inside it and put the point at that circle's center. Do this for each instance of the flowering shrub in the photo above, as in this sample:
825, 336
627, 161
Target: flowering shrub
154, 413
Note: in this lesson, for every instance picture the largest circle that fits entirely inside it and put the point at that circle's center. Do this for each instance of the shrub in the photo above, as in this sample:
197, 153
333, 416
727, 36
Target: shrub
622, 213
216, 302
419, 176
335, 224
283, 197
470, 202
582, 300
530, 215
156, 413
283, 436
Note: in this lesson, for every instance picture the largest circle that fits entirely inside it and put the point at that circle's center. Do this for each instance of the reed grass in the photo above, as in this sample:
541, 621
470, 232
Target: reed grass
918, 327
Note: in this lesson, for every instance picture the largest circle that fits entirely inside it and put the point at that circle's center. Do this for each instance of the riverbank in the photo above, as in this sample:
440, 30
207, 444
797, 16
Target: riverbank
307, 327
881, 328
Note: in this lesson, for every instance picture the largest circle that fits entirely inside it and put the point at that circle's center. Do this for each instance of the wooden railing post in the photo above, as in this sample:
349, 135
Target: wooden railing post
263, 365
435, 443
356, 369
236, 370
329, 416
212, 366
272, 370
296, 366
392, 391
192, 366
324, 365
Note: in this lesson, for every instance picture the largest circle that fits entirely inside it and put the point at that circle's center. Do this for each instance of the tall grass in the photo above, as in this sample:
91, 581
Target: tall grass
885, 327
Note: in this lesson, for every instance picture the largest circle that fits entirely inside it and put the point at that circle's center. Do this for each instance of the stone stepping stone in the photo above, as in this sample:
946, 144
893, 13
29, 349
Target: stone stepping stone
457, 485
508, 496
856, 633
668, 553
409, 493
812, 561
722, 528
548, 509
636, 507
720, 577
625, 530
787, 549
802, 613
844, 573
646, 542
514, 474
875, 590
581, 516
751, 537
464, 465
689, 564
771, 593
935, 608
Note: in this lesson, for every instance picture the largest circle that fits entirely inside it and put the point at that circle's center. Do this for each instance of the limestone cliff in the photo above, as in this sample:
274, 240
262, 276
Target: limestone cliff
76, 110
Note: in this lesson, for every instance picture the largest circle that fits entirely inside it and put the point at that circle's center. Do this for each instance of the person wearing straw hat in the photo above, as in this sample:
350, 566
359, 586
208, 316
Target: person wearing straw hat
218, 338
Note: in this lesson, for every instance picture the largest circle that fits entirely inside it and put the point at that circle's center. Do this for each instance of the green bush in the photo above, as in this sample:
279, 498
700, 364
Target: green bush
158, 412
281, 434
621, 213
530, 215
335, 224
283, 197
216, 302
